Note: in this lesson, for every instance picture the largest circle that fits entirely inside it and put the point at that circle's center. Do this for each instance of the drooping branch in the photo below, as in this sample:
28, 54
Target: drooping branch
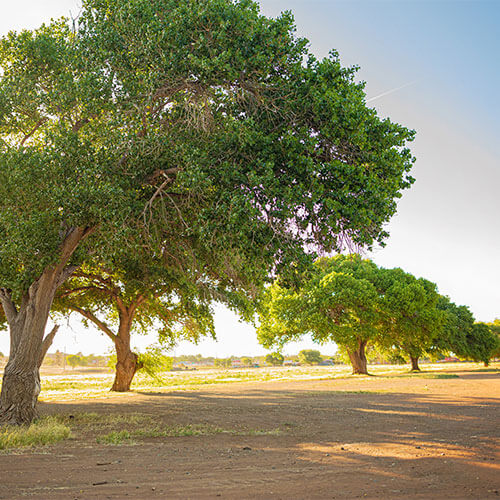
100, 324
47, 342
8, 305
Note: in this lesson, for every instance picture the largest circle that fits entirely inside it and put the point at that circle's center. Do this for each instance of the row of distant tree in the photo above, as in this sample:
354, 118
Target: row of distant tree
358, 305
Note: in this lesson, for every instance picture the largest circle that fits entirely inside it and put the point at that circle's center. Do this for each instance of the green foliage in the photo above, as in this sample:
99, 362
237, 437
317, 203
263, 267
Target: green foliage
412, 320
339, 301
467, 339
74, 360
222, 362
495, 329
310, 357
348, 300
154, 361
151, 362
201, 132
482, 343
275, 359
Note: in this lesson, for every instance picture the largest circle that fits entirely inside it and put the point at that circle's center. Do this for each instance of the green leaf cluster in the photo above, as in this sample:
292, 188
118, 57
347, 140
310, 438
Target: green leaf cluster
201, 132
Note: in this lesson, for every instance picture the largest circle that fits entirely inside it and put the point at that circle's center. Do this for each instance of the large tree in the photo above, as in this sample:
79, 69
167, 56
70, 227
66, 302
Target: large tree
185, 122
339, 301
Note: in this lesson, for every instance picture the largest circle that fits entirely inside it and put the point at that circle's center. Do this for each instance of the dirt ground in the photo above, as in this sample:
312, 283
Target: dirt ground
367, 437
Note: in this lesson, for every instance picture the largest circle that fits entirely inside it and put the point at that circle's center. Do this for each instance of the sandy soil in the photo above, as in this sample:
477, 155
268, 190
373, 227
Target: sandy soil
368, 437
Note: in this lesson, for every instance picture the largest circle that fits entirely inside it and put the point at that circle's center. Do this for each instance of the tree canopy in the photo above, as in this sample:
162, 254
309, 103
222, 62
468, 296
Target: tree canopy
413, 321
203, 132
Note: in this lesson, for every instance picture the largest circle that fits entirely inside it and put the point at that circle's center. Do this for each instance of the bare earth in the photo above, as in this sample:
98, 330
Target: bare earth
368, 437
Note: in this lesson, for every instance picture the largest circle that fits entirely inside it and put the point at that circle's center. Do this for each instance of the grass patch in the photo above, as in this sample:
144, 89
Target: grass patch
115, 437
179, 431
47, 430
439, 375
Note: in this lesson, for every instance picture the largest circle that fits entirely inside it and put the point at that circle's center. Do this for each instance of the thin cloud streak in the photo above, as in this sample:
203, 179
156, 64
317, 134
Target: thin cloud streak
393, 90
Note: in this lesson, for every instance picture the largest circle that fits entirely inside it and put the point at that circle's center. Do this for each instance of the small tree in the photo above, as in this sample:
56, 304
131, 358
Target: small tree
275, 359
310, 357
74, 360
247, 361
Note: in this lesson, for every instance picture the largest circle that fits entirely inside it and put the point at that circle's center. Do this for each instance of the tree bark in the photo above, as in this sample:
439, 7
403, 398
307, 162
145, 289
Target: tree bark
127, 362
358, 359
414, 364
21, 379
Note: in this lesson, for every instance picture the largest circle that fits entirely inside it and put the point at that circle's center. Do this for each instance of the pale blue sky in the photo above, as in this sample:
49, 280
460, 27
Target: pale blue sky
448, 51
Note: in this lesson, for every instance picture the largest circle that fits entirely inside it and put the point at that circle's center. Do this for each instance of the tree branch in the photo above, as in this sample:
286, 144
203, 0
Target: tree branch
47, 342
33, 130
95, 320
8, 305
66, 273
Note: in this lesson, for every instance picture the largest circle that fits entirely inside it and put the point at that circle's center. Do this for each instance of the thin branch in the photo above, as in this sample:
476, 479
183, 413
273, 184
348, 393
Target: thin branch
95, 320
66, 273
79, 124
33, 130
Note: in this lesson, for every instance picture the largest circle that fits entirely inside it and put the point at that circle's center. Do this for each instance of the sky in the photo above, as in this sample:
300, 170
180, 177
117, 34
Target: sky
431, 65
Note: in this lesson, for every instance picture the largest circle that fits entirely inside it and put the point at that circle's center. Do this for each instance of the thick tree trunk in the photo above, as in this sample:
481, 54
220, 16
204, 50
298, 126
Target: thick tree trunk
414, 364
21, 379
358, 359
126, 361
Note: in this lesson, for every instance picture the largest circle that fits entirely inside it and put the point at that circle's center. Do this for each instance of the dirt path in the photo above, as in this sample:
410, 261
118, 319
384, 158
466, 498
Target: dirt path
368, 437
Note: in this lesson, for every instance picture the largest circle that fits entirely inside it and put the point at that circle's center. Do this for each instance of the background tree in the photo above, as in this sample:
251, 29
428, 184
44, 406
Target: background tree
412, 319
143, 298
459, 321
74, 360
275, 359
495, 329
192, 123
338, 302
247, 361
310, 357
482, 343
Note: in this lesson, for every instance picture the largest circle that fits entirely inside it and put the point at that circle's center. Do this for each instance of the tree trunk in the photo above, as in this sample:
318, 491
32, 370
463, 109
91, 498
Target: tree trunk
21, 379
358, 359
414, 364
127, 362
